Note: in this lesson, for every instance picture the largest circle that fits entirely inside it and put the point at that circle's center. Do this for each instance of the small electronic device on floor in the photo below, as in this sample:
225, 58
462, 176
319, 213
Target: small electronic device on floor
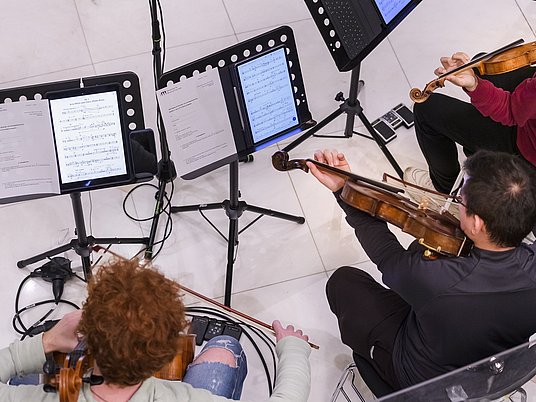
386, 125
206, 328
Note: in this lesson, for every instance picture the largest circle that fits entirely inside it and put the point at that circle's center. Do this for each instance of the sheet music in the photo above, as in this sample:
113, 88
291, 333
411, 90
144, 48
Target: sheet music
390, 8
196, 120
88, 136
268, 94
27, 155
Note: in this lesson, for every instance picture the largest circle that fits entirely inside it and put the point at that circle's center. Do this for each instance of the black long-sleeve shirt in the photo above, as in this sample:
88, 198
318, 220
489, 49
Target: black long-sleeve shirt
463, 309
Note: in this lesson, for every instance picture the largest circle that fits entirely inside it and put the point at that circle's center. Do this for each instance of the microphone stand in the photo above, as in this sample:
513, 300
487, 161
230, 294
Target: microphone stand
166, 169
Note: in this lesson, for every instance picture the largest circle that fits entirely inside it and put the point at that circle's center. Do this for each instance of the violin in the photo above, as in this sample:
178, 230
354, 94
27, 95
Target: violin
438, 233
65, 373
508, 58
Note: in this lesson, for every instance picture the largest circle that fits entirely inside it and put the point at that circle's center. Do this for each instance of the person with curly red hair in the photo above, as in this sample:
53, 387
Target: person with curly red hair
131, 322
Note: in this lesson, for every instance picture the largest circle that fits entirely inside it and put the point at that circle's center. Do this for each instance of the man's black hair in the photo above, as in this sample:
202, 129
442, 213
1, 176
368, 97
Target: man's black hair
500, 188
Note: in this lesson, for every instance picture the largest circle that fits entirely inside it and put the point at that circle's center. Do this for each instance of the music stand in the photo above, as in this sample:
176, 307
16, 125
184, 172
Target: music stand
227, 60
130, 109
351, 29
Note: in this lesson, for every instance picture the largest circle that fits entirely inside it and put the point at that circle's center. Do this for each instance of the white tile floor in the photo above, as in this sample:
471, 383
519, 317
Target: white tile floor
281, 267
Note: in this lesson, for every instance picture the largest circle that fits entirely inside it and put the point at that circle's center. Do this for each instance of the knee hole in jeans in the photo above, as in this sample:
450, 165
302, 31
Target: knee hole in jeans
216, 355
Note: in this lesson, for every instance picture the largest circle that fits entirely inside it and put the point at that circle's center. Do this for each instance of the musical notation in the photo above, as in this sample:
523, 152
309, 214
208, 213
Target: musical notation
268, 95
390, 8
89, 138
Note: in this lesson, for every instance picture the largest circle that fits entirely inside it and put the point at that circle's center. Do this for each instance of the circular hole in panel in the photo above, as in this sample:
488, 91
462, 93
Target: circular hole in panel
326, 21
321, 10
271, 43
297, 102
130, 112
183, 77
293, 76
287, 50
23, 98
208, 67
170, 82
7, 100
127, 84
283, 38
234, 58
290, 63
332, 33
128, 98
221, 63
38, 96
132, 126
196, 72
258, 48
295, 90
338, 44
246, 53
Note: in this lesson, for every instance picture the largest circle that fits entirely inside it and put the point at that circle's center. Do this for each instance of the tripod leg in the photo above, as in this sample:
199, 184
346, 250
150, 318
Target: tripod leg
156, 217
381, 144
275, 214
231, 243
46, 254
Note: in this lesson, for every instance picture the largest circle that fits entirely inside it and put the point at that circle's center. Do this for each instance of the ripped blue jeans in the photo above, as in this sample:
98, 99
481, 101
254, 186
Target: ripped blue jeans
219, 378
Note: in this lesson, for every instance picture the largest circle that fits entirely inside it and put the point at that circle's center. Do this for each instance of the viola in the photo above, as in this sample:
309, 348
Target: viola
438, 232
67, 372
508, 58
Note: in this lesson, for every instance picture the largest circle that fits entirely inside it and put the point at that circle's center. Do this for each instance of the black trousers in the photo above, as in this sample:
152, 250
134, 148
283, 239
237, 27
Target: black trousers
369, 317
441, 122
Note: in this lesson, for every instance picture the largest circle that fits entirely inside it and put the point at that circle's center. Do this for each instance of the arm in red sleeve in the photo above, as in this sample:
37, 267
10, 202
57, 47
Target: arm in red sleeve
510, 109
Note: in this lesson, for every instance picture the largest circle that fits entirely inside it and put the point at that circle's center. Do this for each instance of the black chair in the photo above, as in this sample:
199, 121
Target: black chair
371, 377
347, 386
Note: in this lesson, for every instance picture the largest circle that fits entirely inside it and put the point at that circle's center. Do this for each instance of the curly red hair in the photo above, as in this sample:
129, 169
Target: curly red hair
131, 321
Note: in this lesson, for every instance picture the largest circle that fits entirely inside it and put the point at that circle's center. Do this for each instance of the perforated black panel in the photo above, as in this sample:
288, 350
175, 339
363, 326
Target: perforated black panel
351, 29
345, 20
129, 90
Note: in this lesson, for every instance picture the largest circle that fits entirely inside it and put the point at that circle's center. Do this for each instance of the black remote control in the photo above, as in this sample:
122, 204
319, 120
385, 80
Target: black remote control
215, 328
198, 327
232, 330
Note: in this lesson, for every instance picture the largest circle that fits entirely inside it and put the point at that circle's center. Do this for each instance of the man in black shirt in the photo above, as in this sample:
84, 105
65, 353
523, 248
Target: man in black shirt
438, 315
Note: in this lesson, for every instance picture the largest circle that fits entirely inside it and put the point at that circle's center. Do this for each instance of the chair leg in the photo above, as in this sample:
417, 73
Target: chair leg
349, 371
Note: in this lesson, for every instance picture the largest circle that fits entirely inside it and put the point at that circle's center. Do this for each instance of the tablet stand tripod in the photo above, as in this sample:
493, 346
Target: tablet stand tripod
234, 209
82, 244
352, 108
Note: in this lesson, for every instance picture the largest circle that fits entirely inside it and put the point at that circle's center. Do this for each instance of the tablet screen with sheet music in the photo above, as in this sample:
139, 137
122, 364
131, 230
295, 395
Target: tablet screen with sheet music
89, 137
267, 95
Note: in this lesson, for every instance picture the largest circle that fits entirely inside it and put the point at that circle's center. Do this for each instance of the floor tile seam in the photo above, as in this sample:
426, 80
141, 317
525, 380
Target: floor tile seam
525, 17
275, 283
42, 74
85, 37
272, 26
306, 220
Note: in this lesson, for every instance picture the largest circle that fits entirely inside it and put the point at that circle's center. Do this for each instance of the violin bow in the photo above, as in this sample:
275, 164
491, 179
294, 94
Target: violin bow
253, 321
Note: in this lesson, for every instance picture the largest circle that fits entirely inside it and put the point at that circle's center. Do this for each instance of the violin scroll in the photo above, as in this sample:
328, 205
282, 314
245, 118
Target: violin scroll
419, 96
281, 162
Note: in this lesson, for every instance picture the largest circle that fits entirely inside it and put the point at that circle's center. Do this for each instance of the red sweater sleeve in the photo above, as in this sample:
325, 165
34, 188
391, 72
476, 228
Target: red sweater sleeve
510, 109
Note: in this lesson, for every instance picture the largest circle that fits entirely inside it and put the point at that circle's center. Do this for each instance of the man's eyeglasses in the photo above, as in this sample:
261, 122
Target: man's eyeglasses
456, 197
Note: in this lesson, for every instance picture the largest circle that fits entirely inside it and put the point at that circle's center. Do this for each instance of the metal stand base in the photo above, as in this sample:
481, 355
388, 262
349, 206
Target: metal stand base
82, 244
352, 108
234, 209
